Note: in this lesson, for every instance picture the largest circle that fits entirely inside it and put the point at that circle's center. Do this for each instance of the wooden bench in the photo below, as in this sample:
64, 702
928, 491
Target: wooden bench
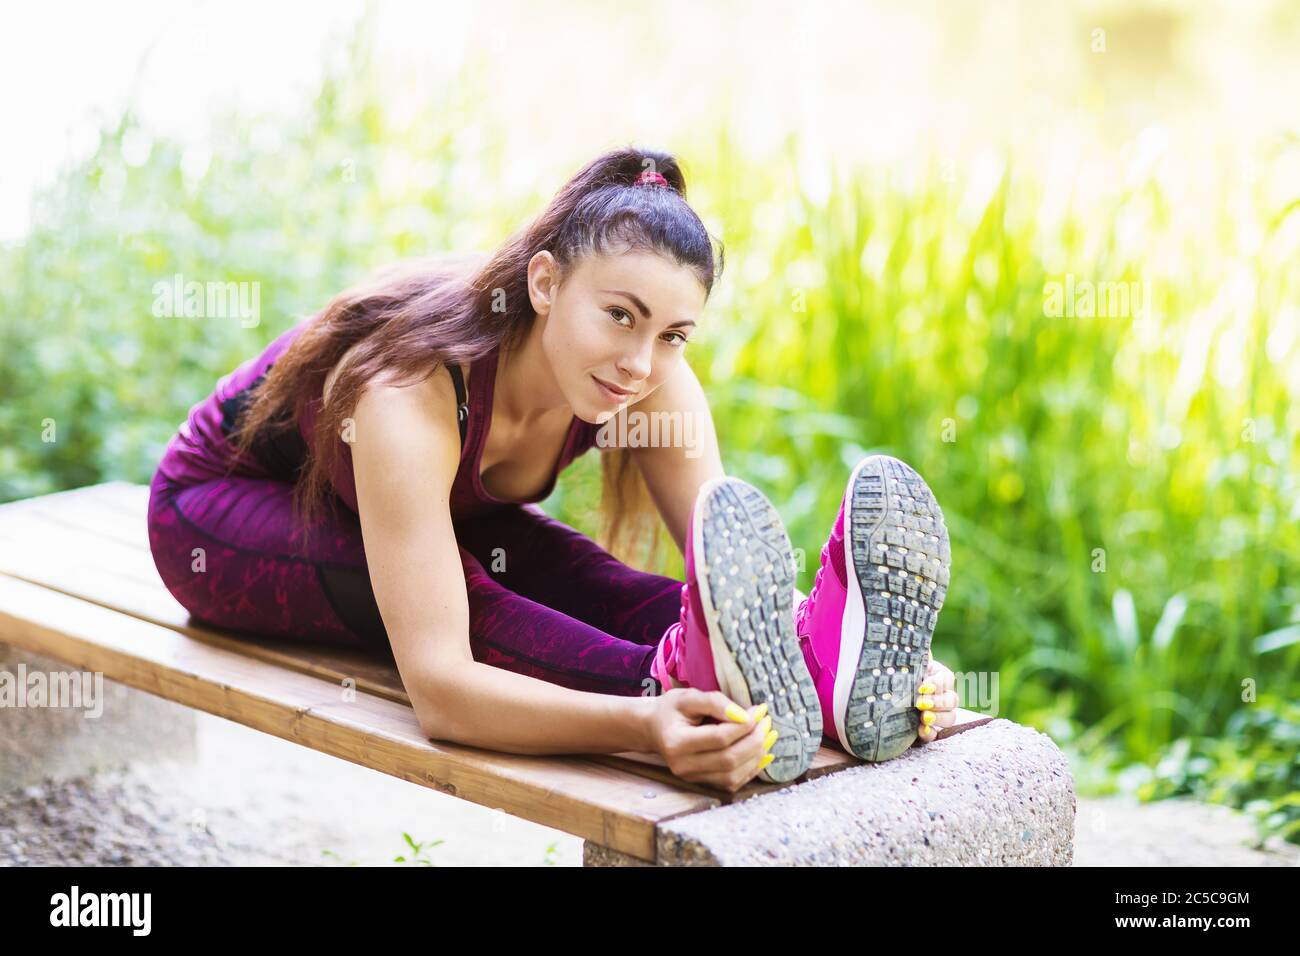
78, 584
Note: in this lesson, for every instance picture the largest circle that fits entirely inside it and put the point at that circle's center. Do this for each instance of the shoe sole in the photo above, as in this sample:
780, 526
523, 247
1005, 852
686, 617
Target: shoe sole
744, 567
899, 557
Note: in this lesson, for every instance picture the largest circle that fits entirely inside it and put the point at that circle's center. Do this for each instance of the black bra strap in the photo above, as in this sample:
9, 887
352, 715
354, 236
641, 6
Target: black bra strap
462, 406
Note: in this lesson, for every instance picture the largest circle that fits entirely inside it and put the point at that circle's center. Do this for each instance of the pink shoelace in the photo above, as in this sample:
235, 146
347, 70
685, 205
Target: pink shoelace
805, 609
675, 636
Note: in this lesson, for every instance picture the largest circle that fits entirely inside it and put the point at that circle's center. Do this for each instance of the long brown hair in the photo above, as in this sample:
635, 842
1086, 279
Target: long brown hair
407, 319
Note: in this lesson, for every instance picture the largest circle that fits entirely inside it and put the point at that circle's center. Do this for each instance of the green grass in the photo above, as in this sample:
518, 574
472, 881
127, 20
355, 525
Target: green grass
904, 320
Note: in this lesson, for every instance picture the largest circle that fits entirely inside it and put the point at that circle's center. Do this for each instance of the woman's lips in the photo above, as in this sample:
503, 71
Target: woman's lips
610, 393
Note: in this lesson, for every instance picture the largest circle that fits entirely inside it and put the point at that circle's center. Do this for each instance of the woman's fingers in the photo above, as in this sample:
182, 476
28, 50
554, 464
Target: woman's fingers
946, 701
709, 738
728, 770
733, 764
938, 718
702, 704
702, 737
940, 677
726, 753
932, 721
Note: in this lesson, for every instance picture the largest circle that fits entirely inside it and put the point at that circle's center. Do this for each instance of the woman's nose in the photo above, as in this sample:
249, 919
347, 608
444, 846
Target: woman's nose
637, 365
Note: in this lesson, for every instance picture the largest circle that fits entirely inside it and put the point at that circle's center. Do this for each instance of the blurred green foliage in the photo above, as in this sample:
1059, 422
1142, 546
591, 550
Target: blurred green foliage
1250, 763
1122, 501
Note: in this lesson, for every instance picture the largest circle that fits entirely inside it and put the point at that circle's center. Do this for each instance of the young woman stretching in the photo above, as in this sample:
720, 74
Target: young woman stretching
371, 479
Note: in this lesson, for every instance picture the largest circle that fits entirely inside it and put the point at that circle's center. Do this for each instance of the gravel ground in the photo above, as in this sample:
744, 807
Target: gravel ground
254, 800
250, 799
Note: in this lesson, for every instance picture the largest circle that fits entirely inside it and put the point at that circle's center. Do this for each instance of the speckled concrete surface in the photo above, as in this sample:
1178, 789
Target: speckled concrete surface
997, 795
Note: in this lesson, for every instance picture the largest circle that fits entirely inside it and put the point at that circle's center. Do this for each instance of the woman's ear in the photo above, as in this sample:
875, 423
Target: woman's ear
543, 277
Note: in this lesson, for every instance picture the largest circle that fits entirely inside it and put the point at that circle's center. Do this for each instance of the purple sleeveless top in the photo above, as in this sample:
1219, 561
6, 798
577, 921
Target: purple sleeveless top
201, 450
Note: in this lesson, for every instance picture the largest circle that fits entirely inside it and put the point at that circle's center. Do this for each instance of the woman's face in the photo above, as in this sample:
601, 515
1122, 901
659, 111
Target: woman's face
620, 319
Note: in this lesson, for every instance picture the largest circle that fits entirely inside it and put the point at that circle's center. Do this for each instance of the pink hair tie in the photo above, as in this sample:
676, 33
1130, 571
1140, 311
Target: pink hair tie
650, 178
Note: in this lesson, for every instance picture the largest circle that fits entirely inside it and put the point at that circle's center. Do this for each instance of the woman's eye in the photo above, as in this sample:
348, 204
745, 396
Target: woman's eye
676, 339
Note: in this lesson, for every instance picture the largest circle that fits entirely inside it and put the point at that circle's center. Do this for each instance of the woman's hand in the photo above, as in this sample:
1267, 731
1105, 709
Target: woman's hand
936, 700
708, 738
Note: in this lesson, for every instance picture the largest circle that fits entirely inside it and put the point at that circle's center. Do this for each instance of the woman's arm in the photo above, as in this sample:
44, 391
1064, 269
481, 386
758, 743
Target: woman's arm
687, 456
674, 475
405, 454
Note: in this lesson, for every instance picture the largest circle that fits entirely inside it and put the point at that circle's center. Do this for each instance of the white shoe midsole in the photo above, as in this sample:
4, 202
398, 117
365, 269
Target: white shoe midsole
730, 681
853, 623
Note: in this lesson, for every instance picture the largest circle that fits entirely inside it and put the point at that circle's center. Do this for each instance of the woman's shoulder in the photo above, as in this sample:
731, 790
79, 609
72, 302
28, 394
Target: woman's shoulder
431, 401
411, 423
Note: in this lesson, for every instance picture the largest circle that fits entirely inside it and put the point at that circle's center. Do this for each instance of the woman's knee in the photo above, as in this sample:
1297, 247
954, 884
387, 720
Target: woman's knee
225, 550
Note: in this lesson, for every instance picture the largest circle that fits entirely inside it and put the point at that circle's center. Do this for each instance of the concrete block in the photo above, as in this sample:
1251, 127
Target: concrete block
996, 795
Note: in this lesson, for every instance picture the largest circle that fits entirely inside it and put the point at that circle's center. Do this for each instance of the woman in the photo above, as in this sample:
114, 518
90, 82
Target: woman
330, 488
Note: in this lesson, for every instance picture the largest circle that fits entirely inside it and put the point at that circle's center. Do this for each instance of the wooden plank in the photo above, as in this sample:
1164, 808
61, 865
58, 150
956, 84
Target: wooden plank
125, 496
598, 803
30, 527
82, 509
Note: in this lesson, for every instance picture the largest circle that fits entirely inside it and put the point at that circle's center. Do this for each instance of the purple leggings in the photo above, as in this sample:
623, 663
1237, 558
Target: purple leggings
544, 599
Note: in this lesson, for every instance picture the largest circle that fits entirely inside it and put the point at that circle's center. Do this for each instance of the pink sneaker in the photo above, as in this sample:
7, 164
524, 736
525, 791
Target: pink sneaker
865, 627
736, 632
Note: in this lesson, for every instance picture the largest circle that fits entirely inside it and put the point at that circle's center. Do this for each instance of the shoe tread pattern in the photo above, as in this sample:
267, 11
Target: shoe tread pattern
751, 575
894, 515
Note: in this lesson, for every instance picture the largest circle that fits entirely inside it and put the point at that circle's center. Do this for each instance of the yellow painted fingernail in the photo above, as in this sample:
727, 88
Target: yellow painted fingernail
737, 713
926, 689
925, 703
766, 760
761, 712
765, 725
769, 740
927, 719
